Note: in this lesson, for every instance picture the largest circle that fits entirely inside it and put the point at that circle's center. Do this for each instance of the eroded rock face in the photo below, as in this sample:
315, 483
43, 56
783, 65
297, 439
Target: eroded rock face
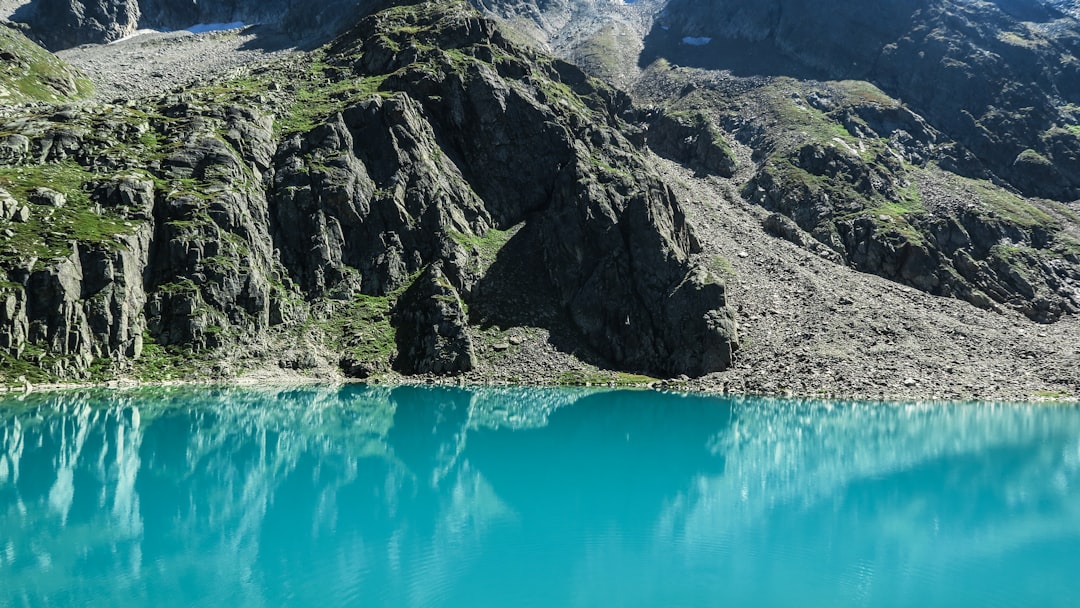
432, 335
692, 139
62, 24
380, 203
86, 306
988, 75
479, 135
369, 215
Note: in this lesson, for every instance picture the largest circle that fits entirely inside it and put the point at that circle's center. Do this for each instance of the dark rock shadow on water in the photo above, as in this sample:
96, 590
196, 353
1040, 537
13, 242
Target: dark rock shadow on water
612, 458
516, 291
425, 496
425, 438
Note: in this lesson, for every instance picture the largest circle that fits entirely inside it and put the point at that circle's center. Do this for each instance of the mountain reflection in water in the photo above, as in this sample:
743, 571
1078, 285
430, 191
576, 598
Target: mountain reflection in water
413, 496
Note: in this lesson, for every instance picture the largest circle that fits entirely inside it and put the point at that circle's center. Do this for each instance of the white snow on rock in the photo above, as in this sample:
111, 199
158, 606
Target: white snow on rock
202, 28
135, 34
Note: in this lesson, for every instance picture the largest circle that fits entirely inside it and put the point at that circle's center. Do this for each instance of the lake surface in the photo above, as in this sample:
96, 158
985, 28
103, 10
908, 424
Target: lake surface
415, 496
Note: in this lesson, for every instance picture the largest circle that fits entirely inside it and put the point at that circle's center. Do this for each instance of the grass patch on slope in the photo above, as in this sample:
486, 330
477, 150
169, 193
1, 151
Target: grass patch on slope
50, 230
30, 73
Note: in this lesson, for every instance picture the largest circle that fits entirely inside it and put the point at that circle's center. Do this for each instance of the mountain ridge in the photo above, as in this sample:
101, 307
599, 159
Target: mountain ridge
761, 163
246, 220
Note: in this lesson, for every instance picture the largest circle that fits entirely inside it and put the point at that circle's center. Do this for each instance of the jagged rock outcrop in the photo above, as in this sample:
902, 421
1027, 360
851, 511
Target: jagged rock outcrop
374, 198
432, 335
482, 134
344, 212
989, 75
691, 139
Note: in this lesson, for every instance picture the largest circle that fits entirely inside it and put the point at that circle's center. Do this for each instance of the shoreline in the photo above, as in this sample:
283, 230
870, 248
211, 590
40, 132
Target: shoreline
690, 387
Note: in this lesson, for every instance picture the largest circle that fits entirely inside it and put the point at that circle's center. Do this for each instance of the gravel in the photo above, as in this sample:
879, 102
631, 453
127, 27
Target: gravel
811, 327
152, 63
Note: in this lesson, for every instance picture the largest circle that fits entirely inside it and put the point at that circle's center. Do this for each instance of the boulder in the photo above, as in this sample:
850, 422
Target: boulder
432, 328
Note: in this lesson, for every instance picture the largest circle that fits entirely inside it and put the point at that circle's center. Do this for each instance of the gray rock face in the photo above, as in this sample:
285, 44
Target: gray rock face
66, 23
432, 336
379, 205
211, 265
62, 24
988, 75
693, 140
234, 227
86, 306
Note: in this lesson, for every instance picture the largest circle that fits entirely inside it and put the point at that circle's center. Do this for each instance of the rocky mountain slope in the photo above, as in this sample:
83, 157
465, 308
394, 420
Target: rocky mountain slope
29, 73
62, 24
941, 155
430, 194
362, 211
999, 78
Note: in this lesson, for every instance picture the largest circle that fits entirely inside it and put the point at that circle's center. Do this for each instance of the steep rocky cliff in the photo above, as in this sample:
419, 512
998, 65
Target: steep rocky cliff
62, 24
428, 195
997, 77
348, 216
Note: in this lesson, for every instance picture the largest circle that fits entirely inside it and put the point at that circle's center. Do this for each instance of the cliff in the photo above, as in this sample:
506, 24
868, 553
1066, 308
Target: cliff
427, 194
350, 216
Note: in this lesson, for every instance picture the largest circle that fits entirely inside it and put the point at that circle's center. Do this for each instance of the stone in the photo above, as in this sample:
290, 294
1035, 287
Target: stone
692, 139
8, 205
432, 336
48, 197
14, 149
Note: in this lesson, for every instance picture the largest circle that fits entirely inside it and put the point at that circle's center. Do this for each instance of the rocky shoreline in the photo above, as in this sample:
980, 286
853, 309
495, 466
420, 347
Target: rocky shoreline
681, 386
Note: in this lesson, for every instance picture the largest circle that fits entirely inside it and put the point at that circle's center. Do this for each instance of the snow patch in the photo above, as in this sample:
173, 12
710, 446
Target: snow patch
135, 34
203, 28
697, 41
198, 28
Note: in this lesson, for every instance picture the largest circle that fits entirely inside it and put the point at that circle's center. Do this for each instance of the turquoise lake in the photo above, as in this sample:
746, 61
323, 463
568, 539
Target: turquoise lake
413, 496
